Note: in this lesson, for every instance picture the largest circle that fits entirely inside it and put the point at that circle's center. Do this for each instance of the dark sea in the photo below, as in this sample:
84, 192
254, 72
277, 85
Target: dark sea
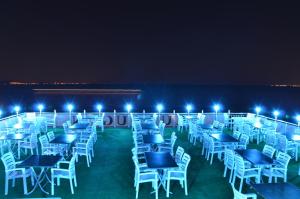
174, 97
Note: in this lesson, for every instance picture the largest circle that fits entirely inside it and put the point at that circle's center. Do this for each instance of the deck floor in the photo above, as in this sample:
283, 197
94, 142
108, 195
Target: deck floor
112, 170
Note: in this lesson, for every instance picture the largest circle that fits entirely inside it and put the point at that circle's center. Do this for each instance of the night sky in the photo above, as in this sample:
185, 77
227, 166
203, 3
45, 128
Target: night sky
150, 42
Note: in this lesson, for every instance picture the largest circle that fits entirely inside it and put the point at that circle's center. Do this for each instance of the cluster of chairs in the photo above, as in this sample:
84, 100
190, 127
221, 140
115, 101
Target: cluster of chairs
240, 168
39, 143
143, 174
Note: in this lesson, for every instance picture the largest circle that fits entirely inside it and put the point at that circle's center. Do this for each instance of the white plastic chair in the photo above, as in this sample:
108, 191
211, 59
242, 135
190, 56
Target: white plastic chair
214, 148
268, 151
285, 146
169, 147
46, 148
178, 154
280, 169
12, 172
239, 195
179, 173
229, 163
68, 173
50, 135
84, 149
31, 144
245, 173
144, 176
243, 142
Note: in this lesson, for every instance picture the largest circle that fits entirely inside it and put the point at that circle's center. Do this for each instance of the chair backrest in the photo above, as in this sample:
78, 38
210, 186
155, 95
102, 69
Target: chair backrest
186, 158
244, 139
229, 158
162, 128
51, 135
283, 159
270, 137
173, 140
69, 123
281, 143
66, 128
239, 165
215, 124
72, 166
44, 140
268, 151
237, 194
236, 135
179, 153
8, 161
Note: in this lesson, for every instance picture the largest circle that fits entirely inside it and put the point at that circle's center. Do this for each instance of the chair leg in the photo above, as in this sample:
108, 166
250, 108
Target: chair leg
75, 180
185, 187
156, 189
241, 184
13, 182
230, 178
6, 185
137, 190
225, 172
24, 185
212, 158
52, 184
71, 185
88, 161
168, 187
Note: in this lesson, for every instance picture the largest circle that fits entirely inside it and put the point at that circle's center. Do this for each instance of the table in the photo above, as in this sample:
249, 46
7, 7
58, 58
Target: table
44, 162
277, 190
206, 126
160, 161
149, 126
79, 126
64, 139
256, 157
223, 137
153, 139
15, 136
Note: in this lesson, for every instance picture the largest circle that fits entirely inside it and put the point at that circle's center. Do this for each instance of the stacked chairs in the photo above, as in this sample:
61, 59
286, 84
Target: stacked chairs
182, 123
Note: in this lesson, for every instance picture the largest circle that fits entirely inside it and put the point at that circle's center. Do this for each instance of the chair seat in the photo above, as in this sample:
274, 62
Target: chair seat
251, 173
19, 174
60, 173
267, 172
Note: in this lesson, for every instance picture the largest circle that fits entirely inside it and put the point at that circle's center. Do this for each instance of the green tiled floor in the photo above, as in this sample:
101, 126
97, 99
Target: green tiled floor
111, 173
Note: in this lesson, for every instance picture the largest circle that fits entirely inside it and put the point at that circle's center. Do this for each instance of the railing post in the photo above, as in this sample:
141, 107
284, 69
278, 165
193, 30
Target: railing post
114, 118
174, 118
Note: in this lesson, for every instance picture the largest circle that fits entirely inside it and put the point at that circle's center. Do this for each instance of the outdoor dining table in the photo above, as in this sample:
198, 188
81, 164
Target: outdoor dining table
224, 138
79, 126
160, 161
277, 190
256, 157
149, 126
153, 139
64, 140
44, 163
15, 137
206, 126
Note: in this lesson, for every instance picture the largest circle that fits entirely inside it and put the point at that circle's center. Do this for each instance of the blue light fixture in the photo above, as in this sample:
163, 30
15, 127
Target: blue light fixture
189, 108
257, 110
216, 107
159, 108
17, 109
41, 108
128, 107
70, 107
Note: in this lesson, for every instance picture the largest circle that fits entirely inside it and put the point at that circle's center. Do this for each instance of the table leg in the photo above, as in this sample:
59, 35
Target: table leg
39, 178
